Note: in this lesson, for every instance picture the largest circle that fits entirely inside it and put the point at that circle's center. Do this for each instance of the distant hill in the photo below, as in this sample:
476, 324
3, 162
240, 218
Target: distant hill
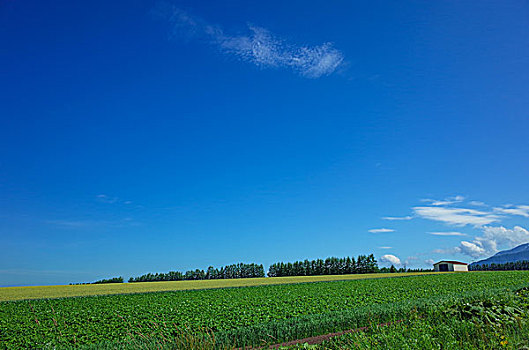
519, 253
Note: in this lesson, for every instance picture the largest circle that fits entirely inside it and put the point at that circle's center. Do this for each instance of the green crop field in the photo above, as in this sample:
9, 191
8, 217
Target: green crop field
41, 292
498, 321
237, 316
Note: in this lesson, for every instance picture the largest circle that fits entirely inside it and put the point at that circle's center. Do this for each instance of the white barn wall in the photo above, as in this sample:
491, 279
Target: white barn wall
451, 266
460, 267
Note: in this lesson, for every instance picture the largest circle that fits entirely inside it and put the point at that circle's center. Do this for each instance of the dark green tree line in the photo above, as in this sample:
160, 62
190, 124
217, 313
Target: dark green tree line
108, 280
518, 265
239, 270
329, 266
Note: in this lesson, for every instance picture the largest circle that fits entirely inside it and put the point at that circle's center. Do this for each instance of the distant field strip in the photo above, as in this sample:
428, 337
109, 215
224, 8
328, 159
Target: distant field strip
42, 292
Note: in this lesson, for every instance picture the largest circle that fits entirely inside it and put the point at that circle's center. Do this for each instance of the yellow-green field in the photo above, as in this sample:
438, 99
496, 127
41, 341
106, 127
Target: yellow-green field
20, 293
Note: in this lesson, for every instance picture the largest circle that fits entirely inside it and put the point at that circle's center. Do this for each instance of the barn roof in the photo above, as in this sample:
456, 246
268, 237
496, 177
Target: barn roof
451, 262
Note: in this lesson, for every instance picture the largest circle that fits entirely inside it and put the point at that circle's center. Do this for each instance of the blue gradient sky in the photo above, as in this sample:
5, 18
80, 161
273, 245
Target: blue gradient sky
138, 136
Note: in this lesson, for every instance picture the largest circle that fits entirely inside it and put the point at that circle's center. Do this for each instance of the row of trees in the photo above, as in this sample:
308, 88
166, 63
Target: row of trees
391, 269
519, 265
239, 270
329, 266
108, 280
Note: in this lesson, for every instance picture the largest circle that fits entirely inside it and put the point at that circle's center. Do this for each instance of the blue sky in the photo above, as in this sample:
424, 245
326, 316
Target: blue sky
144, 136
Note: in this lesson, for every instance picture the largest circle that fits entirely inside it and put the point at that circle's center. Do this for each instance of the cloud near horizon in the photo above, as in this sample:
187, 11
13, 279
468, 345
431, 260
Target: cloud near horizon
452, 211
259, 46
390, 259
493, 237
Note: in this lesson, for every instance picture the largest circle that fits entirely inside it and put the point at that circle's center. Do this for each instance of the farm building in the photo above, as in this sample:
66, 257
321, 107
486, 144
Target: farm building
449, 265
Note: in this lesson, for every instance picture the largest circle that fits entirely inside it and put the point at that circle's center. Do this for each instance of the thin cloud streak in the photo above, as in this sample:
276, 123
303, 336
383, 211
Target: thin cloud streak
456, 216
447, 201
447, 233
520, 210
397, 218
259, 46
103, 198
381, 230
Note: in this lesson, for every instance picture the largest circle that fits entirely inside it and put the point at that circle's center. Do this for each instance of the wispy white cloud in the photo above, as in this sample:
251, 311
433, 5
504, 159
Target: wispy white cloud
259, 46
381, 230
447, 233
104, 198
429, 261
491, 239
456, 216
477, 204
473, 249
520, 210
397, 218
385, 247
447, 201
458, 212
107, 199
390, 259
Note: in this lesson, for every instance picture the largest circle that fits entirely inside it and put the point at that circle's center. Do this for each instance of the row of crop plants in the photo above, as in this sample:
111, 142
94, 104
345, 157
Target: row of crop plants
493, 322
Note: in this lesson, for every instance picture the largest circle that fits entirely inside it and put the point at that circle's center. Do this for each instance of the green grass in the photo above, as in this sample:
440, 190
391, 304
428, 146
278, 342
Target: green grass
270, 313
44, 292
487, 321
494, 322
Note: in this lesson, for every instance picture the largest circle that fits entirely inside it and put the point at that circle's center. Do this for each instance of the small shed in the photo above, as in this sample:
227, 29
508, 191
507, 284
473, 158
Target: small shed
450, 265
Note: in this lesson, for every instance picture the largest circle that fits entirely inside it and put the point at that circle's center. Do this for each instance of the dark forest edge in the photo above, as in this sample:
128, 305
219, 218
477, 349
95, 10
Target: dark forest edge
108, 280
239, 270
330, 266
510, 266
363, 264
334, 266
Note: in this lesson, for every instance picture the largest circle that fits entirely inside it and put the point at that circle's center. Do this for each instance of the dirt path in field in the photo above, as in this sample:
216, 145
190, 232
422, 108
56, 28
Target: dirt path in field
321, 338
